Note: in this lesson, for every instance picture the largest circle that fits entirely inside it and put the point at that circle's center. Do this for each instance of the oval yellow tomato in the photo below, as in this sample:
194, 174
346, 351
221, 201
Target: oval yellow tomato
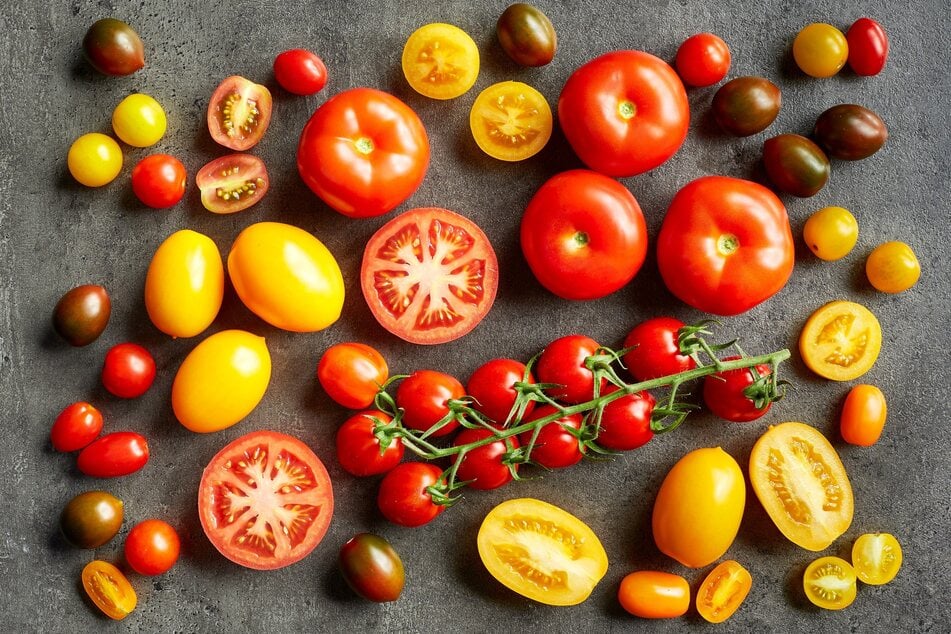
699, 507
221, 381
440, 61
286, 276
820, 50
841, 341
651, 594
109, 589
185, 284
892, 267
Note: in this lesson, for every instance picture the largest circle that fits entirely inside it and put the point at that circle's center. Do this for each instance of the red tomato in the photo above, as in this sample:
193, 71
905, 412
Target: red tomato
725, 245
299, 71
723, 394
265, 500
562, 362
555, 446
424, 395
360, 452
239, 112
232, 183
583, 235
868, 47
128, 370
75, 427
656, 349
363, 152
626, 422
159, 181
484, 465
152, 547
429, 275
703, 60
117, 454
624, 113
403, 498
491, 386
352, 374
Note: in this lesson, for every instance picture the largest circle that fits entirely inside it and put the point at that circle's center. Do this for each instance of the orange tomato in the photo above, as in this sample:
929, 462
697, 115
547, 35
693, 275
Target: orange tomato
723, 591
108, 588
650, 594
863, 416
352, 374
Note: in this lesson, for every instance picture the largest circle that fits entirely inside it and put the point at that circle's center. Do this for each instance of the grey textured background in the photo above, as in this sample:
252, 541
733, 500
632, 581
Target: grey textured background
55, 234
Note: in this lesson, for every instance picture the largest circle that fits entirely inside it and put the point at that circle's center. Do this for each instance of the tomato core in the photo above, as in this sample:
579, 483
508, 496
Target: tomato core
627, 110
581, 239
244, 113
364, 145
727, 244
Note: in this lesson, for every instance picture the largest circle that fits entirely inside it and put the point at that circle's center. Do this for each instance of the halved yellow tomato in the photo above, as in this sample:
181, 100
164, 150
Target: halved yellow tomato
841, 341
541, 552
510, 121
440, 61
829, 583
876, 558
108, 588
723, 591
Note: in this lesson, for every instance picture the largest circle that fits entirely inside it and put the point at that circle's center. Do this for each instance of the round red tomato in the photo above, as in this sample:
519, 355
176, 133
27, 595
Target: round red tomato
352, 374
624, 112
117, 454
626, 422
583, 235
128, 370
491, 386
152, 547
555, 446
360, 451
424, 398
723, 394
404, 499
232, 183
868, 47
725, 245
238, 113
429, 275
703, 60
484, 467
563, 362
300, 72
656, 349
159, 181
75, 427
363, 152
265, 500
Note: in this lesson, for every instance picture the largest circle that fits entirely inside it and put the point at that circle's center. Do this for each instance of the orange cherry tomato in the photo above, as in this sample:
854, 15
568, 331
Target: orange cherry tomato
863, 415
352, 373
109, 589
723, 591
654, 595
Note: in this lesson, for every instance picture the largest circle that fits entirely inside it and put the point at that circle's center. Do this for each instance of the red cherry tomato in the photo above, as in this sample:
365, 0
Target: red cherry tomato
424, 395
868, 47
555, 446
656, 349
703, 60
75, 427
359, 450
239, 112
159, 181
128, 370
562, 362
723, 394
352, 373
403, 498
300, 72
152, 547
117, 454
491, 386
484, 465
626, 422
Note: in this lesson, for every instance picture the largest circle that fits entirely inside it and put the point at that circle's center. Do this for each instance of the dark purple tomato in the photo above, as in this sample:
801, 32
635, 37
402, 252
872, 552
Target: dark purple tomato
795, 164
527, 35
82, 314
372, 568
91, 519
746, 105
113, 47
850, 132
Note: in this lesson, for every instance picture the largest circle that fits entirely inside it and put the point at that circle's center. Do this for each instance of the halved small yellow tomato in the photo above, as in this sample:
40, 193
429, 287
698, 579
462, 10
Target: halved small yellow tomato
440, 61
800, 481
510, 121
841, 341
829, 583
876, 558
109, 589
723, 591
541, 552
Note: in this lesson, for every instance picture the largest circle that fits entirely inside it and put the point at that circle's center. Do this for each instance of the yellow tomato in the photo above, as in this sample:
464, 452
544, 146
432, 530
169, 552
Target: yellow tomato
831, 232
139, 120
841, 341
440, 61
221, 381
699, 507
94, 159
651, 594
185, 284
892, 267
820, 50
286, 276
723, 591
876, 558
510, 121
829, 583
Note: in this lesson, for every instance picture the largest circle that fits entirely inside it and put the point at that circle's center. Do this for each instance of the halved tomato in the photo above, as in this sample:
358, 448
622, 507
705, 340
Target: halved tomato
238, 113
541, 551
232, 183
723, 591
829, 582
265, 500
440, 61
841, 341
109, 589
429, 275
510, 121
876, 558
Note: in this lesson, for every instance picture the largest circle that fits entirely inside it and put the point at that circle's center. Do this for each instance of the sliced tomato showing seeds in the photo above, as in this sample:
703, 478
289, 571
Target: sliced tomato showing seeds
239, 113
232, 183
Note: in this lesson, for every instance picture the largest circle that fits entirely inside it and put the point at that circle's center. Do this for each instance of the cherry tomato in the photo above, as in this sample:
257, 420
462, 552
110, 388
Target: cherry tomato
526, 35
152, 547
361, 452
117, 454
655, 349
650, 594
868, 47
372, 568
75, 427
300, 72
820, 50
555, 446
876, 558
746, 105
510, 121
863, 416
583, 235
831, 232
563, 362
624, 113
723, 591
795, 165
484, 467
850, 132
829, 582
626, 422
159, 181
128, 370
139, 120
239, 112
403, 498
424, 396
94, 159
108, 588
113, 48
892, 267
82, 314
491, 386
91, 519
352, 374
440, 61
702, 60
724, 393
841, 341
232, 183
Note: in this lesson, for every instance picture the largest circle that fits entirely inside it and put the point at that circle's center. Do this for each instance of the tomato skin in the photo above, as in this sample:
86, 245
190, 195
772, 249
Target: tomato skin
113, 48
372, 568
863, 416
82, 314
527, 35
358, 449
723, 394
703, 60
723, 591
424, 397
128, 370
820, 50
403, 498
555, 446
746, 105
624, 113
583, 235
75, 427
108, 588
892, 267
829, 583
483, 465
626, 422
94, 159
850, 132
656, 349
139, 120
239, 112
877, 558
491, 387
91, 519
831, 233
868, 47
562, 362
117, 454
300, 71
152, 547
651, 594
159, 181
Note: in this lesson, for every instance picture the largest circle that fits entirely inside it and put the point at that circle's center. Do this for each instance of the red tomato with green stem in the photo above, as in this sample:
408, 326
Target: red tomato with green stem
352, 374
359, 450
557, 444
75, 427
159, 181
128, 370
492, 389
563, 362
655, 349
626, 422
404, 499
703, 60
424, 398
300, 71
152, 547
723, 393
868, 47
484, 467
117, 454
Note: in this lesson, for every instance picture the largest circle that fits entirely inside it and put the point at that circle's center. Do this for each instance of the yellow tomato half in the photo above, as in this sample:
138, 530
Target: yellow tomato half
841, 341
440, 61
829, 582
876, 558
510, 121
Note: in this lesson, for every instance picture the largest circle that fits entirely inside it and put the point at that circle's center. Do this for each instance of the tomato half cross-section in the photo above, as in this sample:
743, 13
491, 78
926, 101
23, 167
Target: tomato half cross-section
265, 500
239, 112
429, 275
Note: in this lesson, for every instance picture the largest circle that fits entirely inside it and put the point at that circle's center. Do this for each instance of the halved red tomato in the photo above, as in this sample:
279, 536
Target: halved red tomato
239, 113
265, 500
232, 183
429, 275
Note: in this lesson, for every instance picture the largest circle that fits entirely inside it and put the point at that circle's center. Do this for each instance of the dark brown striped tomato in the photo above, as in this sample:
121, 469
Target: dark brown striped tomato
82, 314
746, 105
372, 568
527, 35
850, 132
795, 164
91, 519
113, 47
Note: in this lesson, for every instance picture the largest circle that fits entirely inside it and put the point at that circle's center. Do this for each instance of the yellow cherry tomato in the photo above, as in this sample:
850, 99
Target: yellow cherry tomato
221, 381
841, 341
829, 583
185, 284
863, 416
876, 558
109, 589
820, 50
139, 120
892, 267
94, 159
723, 591
510, 121
440, 61
651, 594
286, 276
830, 233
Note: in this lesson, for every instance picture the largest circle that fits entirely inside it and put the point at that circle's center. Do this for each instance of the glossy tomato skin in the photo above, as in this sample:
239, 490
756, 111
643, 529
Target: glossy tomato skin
656, 349
863, 416
831, 232
746, 105
159, 181
152, 547
651, 594
723, 394
82, 314
626, 422
850, 132
624, 113
796, 165
232, 183
360, 452
113, 48
108, 589
892, 267
363, 152
403, 498
75, 427
139, 120
583, 235
868, 47
725, 245
563, 362
484, 467
300, 71
527, 35
91, 519
492, 388
372, 568
555, 446
128, 370
94, 159
239, 112
117, 454
820, 50
424, 396
352, 374
703, 60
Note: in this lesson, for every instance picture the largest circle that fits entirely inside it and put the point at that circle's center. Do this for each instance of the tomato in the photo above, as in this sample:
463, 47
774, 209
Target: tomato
556, 445
221, 381
239, 112
361, 452
117, 454
300, 71
723, 591
626, 422
725, 245
850, 132
702, 60
800, 481
655, 349
152, 547
868, 47
363, 152
831, 232
108, 588
563, 362
232, 183
159, 181
424, 397
492, 388
725, 393
746, 105
128, 370
863, 416
541, 552
91, 519
583, 235
892, 267
372, 568
185, 284
841, 341
75, 427
94, 159
510, 121
699, 506
286, 276
485, 467
829, 582
795, 165
139, 120
526, 35
650, 594
404, 499
877, 558
429, 275
265, 500
113, 47
81, 314
820, 50
624, 113
352, 374
440, 61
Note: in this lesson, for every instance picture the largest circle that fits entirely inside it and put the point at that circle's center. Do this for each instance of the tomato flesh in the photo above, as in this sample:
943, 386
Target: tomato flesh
829, 582
108, 588
877, 558
440, 61
841, 341
723, 591
510, 121
239, 113
232, 183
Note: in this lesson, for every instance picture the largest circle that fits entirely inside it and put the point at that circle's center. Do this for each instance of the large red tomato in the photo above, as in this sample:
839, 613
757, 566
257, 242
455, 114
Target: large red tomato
363, 152
583, 235
624, 113
725, 245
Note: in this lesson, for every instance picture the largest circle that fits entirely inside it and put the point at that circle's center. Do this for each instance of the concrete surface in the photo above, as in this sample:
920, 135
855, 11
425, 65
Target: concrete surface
55, 234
